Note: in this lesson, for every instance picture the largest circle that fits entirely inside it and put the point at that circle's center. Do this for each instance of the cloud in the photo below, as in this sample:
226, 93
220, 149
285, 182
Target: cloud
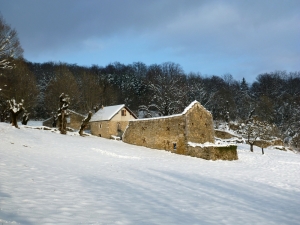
219, 35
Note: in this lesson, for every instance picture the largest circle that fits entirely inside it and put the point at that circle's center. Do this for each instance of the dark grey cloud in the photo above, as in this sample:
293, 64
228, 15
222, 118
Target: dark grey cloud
254, 36
55, 22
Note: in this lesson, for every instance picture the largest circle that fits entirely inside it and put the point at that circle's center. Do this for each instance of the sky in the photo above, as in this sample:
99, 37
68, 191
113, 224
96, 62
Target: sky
212, 37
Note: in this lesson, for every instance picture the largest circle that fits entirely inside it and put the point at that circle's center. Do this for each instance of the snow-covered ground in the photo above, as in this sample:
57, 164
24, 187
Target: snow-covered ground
49, 178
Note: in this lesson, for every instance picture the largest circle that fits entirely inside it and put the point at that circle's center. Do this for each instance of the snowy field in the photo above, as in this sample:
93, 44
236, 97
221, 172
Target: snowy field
49, 178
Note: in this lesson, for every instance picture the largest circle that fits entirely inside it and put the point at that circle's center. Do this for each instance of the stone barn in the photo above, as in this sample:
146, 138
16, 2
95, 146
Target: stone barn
110, 121
74, 120
189, 133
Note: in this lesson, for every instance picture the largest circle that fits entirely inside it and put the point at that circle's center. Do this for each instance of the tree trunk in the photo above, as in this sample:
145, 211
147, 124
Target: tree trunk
54, 120
64, 104
251, 146
14, 119
63, 126
2, 116
14, 116
25, 118
85, 122
15, 109
262, 150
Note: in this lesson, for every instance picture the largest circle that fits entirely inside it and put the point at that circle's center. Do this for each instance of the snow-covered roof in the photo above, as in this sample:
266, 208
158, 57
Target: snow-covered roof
174, 115
69, 111
73, 112
107, 112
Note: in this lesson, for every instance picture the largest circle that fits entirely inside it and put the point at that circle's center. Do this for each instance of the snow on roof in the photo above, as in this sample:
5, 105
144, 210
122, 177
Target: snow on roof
208, 144
73, 112
106, 113
175, 115
69, 111
189, 107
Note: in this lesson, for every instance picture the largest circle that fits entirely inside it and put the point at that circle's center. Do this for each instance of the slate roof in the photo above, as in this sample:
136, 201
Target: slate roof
108, 112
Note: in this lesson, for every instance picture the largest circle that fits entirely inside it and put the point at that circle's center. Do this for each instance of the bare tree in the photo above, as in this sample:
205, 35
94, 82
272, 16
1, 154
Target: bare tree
54, 117
64, 81
167, 86
90, 90
4, 112
84, 123
25, 118
252, 132
64, 101
20, 84
15, 109
9, 45
256, 129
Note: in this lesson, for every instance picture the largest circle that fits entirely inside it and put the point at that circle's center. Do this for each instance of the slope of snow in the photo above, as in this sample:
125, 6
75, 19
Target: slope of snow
49, 178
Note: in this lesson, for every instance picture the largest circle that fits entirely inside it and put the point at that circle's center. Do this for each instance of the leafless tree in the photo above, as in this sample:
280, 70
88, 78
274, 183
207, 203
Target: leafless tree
25, 118
85, 123
20, 84
64, 101
15, 109
9, 45
167, 86
54, 117
90, 90
63, 82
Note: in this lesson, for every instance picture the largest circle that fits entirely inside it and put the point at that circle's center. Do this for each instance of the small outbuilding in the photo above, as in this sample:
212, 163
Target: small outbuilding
74, 120
111, 121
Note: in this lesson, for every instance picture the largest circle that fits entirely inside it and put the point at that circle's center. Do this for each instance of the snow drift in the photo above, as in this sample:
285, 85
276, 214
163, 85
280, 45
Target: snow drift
48, 178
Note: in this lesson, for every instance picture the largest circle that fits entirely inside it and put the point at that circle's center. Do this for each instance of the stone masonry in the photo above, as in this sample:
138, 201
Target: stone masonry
174, 133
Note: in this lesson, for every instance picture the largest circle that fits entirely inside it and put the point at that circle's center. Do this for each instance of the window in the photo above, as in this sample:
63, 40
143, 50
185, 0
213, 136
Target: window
174, 146
100, 125
123, 112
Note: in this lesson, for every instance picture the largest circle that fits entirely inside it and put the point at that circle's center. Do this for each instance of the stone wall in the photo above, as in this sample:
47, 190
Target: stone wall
117, 128
173, 133
213, 152
108, 128
199, 122
223, 134
74, 121
166, 133
267, 143
48, 122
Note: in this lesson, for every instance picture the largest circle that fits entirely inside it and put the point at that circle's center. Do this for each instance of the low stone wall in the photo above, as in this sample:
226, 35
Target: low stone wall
267, 143
213, 152
48, 122
223, 134
75, 121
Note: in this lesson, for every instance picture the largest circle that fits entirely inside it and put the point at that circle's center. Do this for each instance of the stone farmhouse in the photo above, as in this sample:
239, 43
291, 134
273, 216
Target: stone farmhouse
111, 121
189, 133
74, 120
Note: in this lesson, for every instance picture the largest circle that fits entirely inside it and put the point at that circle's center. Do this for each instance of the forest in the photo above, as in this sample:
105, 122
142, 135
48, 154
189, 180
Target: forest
154, 90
